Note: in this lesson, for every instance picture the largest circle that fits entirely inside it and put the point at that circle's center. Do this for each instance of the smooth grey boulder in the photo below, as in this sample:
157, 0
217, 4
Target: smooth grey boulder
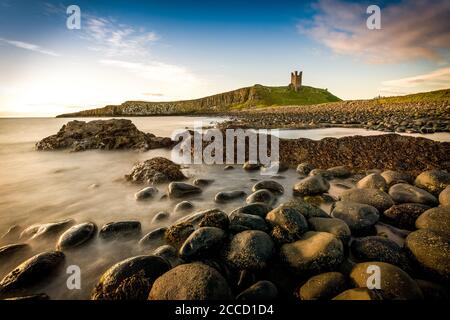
373, 181
77, 236
203, 243
46, 230
120, 230
312, 185
372, 197
340, 172
260, 291
393, 177
406, 193
259, 209
263, 195
359, 217
404, 215
444, 196
182, 189
241, 222
436, 219
225, 196
271, 185
434, 181
289, 219
146, 193
169, 253
331, 225
160, 217
183, 207
323, 286
154, 238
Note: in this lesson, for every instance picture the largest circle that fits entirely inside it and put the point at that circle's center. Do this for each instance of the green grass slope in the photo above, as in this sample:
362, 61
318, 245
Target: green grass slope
431, 96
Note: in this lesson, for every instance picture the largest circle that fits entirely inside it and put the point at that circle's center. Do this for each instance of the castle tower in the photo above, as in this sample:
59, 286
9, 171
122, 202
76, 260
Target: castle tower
296, 80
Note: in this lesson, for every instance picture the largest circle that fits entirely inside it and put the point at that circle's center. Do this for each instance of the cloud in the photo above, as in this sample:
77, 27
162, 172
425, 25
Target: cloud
435, 80
115, 39
30, 47
410, 29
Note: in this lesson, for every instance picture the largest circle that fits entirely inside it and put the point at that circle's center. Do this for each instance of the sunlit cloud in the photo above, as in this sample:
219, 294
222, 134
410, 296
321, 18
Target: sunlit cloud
435, 80
410, 30
29, 46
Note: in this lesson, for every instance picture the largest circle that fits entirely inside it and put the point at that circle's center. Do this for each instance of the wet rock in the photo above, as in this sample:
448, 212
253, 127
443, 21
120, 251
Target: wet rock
324, 286
444, 197
307, 210
120, 230
433, 291
130, 279
270, 185
196, 217
192, 281
225, 196
393, 177
170, 254
258, 209
264, 196
146, 193
340, 172
241, 222
359, 294
202, 182
183, 207
109, 134
331, 225
46, 230
154, 238
372, 197
359, 217
315, 252
177, 234
160, 217
373, 181
34, 297
436, 219
34, 270
311, 186
304, 168
154, 171
77, 236
249, 250
434, 181
320, 172
251, 166
395, 283
226, 168
261, 291
405, 193
202, 243
181, 189
6, 252
404, 215
289, 219
381, 249
218, 219
430, 250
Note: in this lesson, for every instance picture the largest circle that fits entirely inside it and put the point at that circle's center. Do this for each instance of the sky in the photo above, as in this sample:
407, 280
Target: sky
176, 50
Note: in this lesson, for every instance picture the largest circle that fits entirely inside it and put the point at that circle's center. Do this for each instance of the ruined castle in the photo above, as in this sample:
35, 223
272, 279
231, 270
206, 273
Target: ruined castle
296, 80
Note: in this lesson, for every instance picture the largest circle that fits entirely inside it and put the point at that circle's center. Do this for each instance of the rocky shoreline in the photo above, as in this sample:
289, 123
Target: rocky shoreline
392, 213
419, 117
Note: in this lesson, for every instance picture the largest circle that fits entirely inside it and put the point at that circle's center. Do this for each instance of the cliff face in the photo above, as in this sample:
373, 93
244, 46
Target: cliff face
215, 103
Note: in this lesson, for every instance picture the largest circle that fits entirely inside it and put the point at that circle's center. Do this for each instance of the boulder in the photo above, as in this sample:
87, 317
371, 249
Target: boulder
154, 171
249, 250
130, 279
271, 185
372, 197
430, 250
202, 182
112, 134
241, 222
331, 225
314, 253
10, 250
177, 234
304, 168
324, 286
169, 253
77, 236
160, 217
251, 166
395, 283
258, 209
434, 181
359, 294
306, 209
120, 230
146, 193
203, 243
404, 215
359, 217
46, 230
373, 181
181, 189
340, 172
183, 207
218, 219
263, 195
393, 177
406, 193
444, 197
289, 219
154, 238
31, 272
260, 291
225, 196
311, 185
436, 219
192, 281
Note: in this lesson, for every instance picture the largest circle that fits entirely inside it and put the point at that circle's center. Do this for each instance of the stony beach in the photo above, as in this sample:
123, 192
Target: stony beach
336, 208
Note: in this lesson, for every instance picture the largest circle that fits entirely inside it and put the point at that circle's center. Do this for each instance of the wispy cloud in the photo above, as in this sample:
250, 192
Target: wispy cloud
29, 46
115, 39
411, 29
435, 80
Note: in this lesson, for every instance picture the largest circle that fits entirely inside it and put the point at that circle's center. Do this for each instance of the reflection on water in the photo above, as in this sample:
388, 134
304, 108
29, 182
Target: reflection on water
40, 187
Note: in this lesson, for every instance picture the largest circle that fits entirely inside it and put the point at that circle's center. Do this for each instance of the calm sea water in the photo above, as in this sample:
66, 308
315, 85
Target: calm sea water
39, 187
